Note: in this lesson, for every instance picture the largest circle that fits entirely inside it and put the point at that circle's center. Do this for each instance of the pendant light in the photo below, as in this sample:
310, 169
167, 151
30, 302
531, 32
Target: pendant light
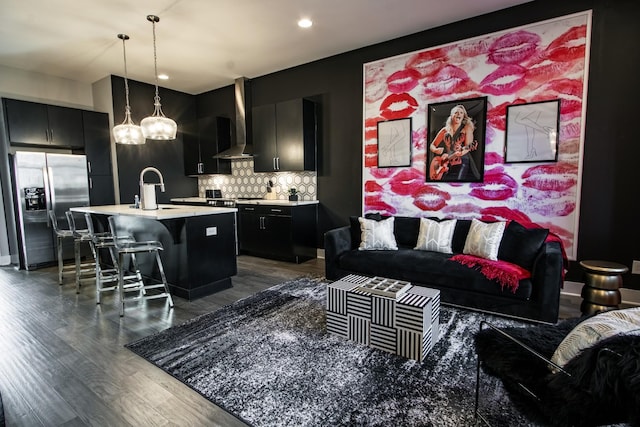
127, 132
157, 126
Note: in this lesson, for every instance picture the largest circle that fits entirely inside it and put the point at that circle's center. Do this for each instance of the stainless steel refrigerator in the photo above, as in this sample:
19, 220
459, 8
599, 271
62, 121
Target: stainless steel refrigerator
42, 182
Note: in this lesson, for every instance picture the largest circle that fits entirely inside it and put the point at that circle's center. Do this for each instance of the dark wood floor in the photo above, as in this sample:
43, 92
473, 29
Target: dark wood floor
63, 360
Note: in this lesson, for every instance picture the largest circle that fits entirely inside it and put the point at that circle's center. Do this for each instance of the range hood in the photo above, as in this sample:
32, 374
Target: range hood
241, 149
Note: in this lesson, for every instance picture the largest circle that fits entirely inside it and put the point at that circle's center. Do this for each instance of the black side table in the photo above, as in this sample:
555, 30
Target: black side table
601, 290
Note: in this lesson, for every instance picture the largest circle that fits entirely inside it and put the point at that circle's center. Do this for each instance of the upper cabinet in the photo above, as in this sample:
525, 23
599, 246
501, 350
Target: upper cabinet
214, 136
32, 123
284, 136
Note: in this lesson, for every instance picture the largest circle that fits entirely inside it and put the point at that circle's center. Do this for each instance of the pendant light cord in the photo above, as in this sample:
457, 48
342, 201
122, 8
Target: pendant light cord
126, 83
155, 67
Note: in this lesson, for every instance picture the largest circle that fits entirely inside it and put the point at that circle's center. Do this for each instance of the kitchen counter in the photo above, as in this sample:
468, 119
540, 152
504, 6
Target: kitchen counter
279, 202
164, 211
199, 243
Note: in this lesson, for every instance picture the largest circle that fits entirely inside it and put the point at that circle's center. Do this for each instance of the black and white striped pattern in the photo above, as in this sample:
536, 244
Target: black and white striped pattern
408, 326
383, 311
337, 324
359, 329
359, 304
383, 338
337, 296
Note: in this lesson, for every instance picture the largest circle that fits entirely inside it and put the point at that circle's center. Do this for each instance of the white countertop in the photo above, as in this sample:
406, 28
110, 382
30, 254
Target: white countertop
279, 202
164, 211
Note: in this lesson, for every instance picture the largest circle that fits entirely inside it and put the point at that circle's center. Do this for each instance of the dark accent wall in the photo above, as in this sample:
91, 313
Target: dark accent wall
611, 152
166, 156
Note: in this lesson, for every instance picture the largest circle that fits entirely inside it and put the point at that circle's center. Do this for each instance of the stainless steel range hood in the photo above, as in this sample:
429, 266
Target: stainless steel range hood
242, 149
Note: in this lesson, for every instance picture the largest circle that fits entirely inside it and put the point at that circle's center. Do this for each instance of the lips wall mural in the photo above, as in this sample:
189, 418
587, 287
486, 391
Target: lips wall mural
542, 61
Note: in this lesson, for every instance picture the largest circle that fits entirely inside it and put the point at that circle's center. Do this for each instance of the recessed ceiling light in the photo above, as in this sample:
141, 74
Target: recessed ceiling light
305, 23
163, 77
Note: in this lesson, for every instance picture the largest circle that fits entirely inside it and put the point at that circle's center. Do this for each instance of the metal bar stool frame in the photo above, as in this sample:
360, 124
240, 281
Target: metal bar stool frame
61, 235
84, 270
126, 247
105, 274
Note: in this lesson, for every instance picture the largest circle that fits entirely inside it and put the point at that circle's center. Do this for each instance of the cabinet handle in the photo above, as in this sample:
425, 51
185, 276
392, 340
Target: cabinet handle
276, 210
274, 164
89, 166
278, 163
90, 183
51, 133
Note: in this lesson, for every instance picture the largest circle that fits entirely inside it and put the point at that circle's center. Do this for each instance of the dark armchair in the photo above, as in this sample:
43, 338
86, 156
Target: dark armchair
599, 386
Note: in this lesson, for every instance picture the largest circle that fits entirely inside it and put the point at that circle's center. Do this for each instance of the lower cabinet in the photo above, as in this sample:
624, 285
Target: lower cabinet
280, 232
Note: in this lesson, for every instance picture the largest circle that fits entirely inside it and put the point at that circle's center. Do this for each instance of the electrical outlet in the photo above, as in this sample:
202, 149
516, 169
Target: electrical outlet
213, 231
635, 268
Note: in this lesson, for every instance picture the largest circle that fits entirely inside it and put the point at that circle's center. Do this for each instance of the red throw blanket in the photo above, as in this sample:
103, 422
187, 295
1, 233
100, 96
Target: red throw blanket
505, 273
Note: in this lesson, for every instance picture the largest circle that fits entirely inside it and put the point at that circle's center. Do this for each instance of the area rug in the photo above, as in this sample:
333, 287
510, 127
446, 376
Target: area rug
268, 360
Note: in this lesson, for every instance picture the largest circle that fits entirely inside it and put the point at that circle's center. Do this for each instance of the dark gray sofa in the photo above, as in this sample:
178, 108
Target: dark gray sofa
536, 298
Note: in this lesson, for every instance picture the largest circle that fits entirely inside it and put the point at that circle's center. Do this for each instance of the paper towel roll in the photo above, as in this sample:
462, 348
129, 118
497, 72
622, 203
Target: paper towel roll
149, 197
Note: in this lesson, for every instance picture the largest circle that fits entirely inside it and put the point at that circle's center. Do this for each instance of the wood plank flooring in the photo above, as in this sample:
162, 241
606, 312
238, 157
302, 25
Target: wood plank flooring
63, 360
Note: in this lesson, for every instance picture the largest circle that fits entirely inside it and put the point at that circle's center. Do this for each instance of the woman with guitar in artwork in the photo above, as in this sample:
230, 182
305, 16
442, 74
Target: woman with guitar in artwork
451, 146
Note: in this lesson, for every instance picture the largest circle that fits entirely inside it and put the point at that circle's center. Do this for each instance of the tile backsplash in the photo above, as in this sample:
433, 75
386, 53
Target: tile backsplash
244, 182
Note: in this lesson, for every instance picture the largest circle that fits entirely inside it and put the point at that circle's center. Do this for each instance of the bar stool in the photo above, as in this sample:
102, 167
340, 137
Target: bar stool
105, 273
124, 248
61, 236
84, 270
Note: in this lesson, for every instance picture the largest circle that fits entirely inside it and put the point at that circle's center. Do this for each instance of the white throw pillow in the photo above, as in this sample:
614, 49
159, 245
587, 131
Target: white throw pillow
595, 329
377, 235
436, 236
484, 239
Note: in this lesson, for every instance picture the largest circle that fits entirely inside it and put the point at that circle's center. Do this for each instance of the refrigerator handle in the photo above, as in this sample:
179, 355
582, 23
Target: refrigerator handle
51, 197
47, 193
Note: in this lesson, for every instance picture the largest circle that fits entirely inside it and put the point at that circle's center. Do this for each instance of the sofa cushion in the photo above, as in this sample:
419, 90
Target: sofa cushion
406, 231
436, 236
427, 268
595, 329
460, 235
484, 239
377, 235
520, 245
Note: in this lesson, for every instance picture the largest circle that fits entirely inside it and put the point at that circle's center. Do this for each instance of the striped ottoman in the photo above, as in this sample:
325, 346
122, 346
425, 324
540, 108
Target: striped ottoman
387, 314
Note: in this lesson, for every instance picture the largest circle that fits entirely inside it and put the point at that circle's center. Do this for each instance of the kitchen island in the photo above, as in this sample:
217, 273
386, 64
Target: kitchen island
199, 255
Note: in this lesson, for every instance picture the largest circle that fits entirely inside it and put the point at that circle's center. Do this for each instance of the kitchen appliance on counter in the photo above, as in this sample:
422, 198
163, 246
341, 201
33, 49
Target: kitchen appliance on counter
213, 198
42, 182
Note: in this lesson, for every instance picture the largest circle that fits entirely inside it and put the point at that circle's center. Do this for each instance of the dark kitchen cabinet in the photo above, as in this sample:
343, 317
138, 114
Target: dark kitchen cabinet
32, 123
280, 232
284, 136
213, 136
97, 148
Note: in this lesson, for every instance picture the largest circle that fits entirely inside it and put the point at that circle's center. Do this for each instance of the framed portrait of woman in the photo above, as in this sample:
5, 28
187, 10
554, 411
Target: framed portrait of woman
456, 140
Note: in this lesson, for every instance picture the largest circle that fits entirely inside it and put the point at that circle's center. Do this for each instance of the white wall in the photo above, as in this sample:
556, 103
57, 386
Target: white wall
38, 87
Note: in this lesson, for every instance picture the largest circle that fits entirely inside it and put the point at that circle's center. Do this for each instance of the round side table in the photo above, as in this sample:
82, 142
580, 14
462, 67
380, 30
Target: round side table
601, 290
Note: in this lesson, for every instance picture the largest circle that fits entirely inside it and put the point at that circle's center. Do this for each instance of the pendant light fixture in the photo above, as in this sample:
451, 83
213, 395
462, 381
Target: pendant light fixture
157, 126
127, 132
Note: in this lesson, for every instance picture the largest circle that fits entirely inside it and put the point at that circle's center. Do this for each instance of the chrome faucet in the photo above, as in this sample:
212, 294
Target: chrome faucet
148, 191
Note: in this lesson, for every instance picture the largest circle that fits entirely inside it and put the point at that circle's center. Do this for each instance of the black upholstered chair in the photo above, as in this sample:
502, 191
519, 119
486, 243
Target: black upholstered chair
599, 386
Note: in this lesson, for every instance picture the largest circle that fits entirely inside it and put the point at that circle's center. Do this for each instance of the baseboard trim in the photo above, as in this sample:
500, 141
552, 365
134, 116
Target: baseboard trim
629, 296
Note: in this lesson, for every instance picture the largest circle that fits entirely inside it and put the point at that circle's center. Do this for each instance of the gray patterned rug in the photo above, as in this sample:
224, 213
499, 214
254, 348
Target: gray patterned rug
268, 360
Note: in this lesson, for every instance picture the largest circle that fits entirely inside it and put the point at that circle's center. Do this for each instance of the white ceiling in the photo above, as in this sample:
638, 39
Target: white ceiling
206, 44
